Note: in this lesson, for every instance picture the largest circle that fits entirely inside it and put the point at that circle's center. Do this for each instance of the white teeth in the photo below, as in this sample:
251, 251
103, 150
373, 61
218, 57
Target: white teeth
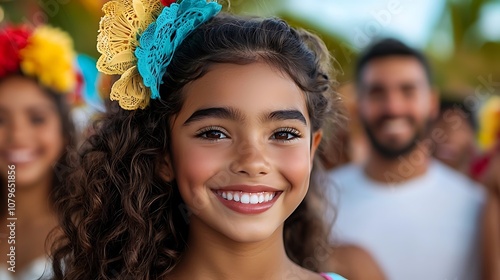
20, 156
247, 198
395, 125
254, 199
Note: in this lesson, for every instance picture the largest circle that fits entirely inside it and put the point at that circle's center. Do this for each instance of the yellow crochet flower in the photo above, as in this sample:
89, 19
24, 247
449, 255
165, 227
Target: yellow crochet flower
489, 123
119, 28
49, 56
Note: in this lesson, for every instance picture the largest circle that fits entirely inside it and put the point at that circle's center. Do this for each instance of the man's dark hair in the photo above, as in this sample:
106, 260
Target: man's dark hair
390, 47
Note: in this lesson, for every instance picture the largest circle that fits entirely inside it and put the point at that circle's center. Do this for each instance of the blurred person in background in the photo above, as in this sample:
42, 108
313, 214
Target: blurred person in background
457, 147
491, 220
351, 145
416, 217
335, 153
487, 171
36, 131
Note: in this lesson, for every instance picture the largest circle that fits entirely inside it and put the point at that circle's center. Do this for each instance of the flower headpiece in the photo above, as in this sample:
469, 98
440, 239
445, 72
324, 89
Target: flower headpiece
489, 123
137, 39
45, 53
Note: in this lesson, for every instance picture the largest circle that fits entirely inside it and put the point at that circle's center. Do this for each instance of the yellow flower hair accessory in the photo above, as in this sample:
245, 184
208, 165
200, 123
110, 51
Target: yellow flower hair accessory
137, 40
49, 56
489, 123
119, 30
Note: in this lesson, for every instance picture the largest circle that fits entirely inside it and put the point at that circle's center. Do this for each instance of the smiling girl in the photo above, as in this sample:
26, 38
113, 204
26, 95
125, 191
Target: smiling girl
204, 172
35, 130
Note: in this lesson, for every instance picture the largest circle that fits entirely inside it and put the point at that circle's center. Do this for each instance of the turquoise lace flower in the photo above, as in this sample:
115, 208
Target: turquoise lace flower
160, 40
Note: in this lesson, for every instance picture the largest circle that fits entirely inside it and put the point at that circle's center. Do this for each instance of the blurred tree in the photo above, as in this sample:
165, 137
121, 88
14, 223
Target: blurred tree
464, 60
472, 66
76, 17
342, 53
470, 63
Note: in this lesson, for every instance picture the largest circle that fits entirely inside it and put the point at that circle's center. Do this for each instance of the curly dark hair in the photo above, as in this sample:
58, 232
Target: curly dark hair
120, 218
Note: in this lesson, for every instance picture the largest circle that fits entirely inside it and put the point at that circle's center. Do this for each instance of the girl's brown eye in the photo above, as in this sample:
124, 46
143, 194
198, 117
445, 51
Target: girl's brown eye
214, 134
36, 120
283, 136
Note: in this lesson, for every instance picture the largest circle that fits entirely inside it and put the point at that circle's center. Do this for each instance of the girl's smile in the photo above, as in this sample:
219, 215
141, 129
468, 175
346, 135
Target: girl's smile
248, 199
21, 156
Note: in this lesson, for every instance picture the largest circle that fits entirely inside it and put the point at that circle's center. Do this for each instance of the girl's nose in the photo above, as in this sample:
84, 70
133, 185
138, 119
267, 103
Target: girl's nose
18, 131
250, 160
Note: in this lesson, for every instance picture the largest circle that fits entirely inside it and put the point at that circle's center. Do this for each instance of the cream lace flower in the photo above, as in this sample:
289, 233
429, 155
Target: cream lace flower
119, 29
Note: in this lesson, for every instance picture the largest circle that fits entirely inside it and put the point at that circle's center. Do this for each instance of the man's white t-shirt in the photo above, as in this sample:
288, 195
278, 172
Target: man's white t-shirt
426, 228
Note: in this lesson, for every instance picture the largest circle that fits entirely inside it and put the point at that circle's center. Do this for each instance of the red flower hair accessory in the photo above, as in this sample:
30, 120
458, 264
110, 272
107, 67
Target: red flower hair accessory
12, 40
167, 3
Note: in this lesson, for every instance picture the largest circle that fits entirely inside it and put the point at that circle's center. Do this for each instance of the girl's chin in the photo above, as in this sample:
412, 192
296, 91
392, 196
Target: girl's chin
248, 234
250, 239
29, 176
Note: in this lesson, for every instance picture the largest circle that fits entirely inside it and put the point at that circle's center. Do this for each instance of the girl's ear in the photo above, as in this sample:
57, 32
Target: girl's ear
166, 171
315, 140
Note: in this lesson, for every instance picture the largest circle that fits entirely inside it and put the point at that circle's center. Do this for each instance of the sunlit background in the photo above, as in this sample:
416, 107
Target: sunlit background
461, 37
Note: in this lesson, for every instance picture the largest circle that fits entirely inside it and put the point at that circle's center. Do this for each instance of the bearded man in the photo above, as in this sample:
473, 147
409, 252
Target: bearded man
416, 218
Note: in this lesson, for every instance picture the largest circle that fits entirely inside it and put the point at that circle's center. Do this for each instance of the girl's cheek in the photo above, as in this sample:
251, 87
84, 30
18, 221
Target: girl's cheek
198, 169
295, 165
51, 133
197, 164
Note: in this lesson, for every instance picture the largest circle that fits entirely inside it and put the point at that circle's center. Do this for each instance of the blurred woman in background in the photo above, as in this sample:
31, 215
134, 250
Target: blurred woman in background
36, 132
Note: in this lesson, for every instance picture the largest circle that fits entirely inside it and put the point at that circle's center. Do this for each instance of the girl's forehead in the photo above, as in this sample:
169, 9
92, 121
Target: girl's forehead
251, 88
22, 92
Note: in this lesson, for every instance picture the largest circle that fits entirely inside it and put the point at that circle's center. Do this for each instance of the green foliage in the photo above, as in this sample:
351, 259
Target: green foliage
472, 56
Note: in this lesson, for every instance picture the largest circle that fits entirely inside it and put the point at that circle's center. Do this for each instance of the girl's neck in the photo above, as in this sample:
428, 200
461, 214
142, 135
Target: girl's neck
35, 219
210, 255
32, 203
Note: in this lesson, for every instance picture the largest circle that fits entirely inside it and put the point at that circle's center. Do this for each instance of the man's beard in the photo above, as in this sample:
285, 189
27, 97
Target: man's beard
387, 150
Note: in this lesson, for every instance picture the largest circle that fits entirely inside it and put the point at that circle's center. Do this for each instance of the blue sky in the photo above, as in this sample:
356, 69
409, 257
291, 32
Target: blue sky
359, 21
413, 21
490, 21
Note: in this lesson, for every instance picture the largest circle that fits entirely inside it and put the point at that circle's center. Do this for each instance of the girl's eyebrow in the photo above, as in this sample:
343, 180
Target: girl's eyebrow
217, 112
46, 108
236, 115
282, 115
34, 108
